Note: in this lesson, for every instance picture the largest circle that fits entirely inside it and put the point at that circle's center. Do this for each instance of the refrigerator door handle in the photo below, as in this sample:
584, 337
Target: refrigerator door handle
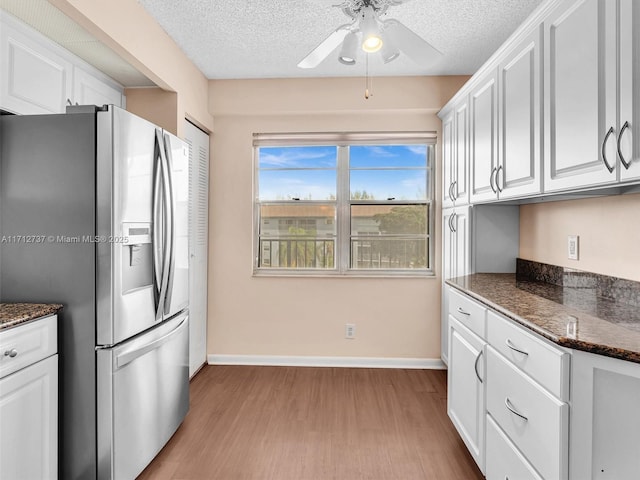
166, 225
171, 214
157, 221
127, 357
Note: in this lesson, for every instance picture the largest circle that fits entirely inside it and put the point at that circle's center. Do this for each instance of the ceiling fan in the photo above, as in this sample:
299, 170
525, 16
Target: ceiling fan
369, 31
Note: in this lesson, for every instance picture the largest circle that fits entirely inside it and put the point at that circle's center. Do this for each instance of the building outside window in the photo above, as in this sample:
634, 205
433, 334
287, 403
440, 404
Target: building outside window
344, 203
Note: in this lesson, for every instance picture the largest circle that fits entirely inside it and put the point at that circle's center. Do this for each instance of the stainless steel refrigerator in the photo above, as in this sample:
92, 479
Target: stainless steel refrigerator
94, 204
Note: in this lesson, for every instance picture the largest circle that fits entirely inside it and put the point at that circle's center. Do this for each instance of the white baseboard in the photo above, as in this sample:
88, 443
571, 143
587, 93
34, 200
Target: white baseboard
309, 361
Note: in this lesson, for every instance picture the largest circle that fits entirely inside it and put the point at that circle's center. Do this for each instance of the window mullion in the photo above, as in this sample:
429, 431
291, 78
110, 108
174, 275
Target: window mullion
344, 214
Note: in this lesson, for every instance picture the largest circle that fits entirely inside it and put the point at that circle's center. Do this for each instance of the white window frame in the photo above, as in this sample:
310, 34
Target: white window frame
343, 201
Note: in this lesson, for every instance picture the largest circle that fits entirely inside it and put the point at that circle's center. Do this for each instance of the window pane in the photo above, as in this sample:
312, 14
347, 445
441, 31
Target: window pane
376, 156
388, 184
298, 157
301, 184
297, 236
389, 253
389, 220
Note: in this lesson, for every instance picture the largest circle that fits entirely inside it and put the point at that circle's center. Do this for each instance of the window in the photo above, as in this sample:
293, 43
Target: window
343, 203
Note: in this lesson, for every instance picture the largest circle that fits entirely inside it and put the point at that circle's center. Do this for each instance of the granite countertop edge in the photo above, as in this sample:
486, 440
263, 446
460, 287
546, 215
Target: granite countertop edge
606, 348
15, 314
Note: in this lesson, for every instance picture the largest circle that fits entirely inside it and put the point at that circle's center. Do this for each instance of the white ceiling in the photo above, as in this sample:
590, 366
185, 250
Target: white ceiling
232, 39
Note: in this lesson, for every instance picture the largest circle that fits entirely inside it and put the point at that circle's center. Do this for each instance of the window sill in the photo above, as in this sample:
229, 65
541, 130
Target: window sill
351, 274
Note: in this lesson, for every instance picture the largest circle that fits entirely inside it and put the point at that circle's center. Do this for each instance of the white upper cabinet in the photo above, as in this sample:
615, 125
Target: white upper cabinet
484, 139
38, 76
506, 125
629, 83
89, 90
455, 156
580, 95
519, 119
555, 109
448, 147
34, 79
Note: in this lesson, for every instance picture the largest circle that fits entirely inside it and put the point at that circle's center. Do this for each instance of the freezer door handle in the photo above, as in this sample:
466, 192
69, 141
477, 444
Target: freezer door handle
126, 357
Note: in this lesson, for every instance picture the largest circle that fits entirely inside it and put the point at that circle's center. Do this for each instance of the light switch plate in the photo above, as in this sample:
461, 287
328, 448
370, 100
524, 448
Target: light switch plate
572, 247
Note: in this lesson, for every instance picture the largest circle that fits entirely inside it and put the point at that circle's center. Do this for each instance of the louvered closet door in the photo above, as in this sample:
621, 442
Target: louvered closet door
198, 142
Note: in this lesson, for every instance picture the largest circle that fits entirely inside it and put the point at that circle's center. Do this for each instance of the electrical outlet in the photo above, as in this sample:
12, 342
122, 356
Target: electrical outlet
572, 247
350, 330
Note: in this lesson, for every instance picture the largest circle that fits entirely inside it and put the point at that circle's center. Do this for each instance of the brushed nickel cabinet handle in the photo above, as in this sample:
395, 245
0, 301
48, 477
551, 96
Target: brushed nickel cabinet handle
475, 366
11, 353
453, 224
491, 179
454, 190
510, 407
460, 310
498, 179
604, 154
624, 162
510, 344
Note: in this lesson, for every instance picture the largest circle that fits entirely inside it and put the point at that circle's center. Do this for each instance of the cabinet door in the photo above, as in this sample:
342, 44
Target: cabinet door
503, 459
629, 84
462, 247
461, 164
89, 90
33, 79
465, 389
29, 419
483, 139
580, 95
605, 419
448, 160
520, 87
448, 244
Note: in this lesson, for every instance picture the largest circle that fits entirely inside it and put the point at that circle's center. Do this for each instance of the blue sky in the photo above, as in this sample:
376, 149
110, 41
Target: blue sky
310, 172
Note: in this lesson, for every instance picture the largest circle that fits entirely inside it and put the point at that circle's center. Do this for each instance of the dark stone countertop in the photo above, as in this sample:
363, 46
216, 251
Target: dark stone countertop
12, 314
604, 326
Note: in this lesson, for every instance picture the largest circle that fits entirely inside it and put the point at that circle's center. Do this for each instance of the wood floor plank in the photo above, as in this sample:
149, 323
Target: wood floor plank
302, 423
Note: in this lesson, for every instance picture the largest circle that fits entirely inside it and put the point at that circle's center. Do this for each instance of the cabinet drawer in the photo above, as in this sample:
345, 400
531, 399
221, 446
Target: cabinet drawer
469, 312
534, 420
504, 461
546, 364
31, 342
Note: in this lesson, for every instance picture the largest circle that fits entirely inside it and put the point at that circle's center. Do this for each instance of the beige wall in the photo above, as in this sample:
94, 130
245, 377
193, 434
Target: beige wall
306, 316
126, 27
608, 227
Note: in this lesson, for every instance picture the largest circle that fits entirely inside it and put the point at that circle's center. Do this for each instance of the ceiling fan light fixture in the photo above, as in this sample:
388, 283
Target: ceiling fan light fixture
349, 49
371, 39
389, 52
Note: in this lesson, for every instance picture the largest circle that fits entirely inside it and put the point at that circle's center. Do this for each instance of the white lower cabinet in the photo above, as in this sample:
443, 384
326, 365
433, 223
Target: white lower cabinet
504, 461
535, 421
605, 418
508, 393
29, 401
465, 388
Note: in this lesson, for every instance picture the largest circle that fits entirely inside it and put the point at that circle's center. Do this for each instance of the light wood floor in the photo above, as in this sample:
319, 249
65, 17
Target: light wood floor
287, 423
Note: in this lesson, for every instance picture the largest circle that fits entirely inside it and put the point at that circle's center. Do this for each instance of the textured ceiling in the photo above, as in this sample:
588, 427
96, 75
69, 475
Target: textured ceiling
266, 39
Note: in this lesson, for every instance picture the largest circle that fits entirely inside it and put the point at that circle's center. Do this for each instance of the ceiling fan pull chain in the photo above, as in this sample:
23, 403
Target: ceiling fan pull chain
367, 81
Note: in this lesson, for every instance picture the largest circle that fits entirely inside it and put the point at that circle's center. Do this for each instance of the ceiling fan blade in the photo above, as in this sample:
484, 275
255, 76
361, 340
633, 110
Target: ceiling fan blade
323, 50
410, 43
